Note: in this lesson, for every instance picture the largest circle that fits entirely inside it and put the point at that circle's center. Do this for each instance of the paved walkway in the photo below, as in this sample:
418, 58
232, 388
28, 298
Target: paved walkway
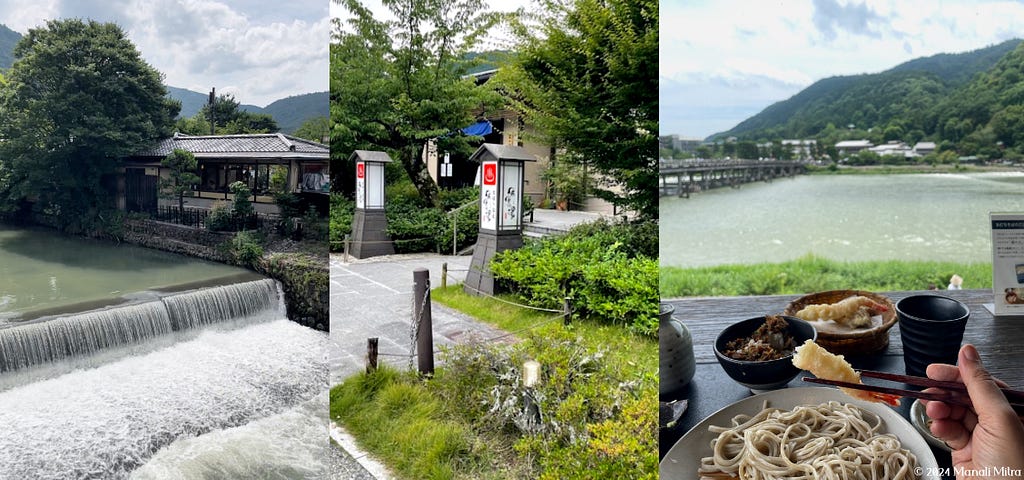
373, 298
555, 221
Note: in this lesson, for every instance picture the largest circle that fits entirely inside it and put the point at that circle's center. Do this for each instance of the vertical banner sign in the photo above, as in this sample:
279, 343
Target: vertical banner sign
511, 199
1008, 263
489, 196
360, 185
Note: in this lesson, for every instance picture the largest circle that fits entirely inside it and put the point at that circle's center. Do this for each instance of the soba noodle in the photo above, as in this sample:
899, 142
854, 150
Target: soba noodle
829, 441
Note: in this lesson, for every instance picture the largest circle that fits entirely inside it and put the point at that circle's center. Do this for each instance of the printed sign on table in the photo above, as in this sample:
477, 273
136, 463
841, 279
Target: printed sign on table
1008, 263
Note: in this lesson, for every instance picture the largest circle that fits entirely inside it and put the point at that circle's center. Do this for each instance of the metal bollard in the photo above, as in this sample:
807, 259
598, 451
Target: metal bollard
421, 314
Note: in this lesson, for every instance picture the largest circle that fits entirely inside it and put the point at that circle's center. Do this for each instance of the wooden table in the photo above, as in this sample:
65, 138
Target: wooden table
999, 340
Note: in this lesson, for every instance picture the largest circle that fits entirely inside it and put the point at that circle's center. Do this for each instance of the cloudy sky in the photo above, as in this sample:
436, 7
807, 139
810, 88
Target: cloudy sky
722, 61
257, 50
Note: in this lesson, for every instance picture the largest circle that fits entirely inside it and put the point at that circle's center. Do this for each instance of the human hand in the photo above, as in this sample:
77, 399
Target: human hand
990, 435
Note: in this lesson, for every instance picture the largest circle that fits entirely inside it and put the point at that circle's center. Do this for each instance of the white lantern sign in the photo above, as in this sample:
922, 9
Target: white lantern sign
370, 179
501, 186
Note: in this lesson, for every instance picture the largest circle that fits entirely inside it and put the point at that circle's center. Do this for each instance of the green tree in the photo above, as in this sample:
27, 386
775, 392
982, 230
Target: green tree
229, 117
316, 129
183, 178
78, 99
395, 84
747, 150
586, 74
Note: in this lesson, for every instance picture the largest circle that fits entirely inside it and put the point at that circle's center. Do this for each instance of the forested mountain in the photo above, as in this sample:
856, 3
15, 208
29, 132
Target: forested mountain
902, 103
289, 113
292, 111
8, 39
192, 102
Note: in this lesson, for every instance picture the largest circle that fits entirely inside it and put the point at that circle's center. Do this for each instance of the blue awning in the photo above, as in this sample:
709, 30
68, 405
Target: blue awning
479, 129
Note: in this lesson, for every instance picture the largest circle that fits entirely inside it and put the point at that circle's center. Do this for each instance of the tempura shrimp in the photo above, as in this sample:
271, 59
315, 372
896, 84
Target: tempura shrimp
823, 364
853, 311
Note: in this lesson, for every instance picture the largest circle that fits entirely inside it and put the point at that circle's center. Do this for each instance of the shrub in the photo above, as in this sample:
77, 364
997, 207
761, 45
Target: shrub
221, 217
314, 227
592, 423
340, 220
242, 204
608, 279
246, 248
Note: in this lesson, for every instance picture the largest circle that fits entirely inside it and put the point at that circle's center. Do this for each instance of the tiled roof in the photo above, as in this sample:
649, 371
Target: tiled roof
370, 156
507, 152
254, 145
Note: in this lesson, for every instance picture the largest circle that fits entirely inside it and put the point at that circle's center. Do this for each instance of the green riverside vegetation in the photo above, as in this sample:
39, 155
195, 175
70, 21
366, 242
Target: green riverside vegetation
596, 397
813, 274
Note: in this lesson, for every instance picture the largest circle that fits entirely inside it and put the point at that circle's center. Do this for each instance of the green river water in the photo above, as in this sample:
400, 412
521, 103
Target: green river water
842, 217
43, 272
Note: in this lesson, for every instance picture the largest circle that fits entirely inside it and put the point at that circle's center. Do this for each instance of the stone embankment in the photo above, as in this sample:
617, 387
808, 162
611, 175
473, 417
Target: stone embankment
304, 277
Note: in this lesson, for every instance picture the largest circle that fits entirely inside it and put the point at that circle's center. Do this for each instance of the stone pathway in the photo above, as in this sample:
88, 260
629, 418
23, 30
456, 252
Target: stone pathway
373, 298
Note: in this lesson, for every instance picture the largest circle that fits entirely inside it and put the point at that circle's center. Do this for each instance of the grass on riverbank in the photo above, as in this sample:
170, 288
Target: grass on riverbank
596, 397
814, 274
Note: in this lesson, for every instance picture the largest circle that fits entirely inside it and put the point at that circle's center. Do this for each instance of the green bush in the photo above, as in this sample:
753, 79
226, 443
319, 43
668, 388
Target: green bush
242, 204
221, 217
314, 227
246, 248
594, 424
608, 279
340, 220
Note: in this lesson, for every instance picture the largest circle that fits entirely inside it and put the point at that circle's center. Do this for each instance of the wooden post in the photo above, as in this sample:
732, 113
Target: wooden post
421, 314
345, 247
371, 354
444, 275
567, 310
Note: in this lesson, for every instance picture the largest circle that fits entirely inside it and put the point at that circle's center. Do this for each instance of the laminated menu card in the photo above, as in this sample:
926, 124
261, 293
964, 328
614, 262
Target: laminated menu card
1008, 263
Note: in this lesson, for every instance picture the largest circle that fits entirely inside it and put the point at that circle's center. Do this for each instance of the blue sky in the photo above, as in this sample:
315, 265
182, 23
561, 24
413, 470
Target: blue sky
723, 61
257, 50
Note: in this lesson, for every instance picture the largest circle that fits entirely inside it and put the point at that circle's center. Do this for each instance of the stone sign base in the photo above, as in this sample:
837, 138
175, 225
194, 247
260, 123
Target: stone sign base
479, 280
369, 234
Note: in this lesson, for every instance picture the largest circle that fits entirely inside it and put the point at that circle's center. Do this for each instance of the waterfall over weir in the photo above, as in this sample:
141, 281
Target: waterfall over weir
49, 341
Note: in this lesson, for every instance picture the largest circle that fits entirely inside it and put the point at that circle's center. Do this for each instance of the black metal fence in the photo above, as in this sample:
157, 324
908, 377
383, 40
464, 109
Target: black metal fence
197, 217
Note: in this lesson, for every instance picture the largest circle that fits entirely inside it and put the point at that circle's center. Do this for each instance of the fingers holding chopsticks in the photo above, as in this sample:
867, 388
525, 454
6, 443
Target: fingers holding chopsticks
989, 433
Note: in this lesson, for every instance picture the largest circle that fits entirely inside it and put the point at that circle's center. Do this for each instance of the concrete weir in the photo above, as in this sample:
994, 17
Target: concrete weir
51, 340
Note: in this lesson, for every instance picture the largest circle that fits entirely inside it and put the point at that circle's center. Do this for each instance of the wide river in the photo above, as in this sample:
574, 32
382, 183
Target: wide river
855, 217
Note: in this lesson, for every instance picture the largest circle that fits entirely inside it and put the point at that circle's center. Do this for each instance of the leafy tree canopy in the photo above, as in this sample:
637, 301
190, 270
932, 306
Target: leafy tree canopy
316, 129
395, 84
78, 98
229, 118
586, 74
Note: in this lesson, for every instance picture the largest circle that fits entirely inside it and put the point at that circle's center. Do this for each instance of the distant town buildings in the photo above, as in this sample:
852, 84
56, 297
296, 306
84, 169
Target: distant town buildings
680, 143
847, 147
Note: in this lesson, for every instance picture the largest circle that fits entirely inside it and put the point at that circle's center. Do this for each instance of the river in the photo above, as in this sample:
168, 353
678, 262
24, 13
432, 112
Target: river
940, 217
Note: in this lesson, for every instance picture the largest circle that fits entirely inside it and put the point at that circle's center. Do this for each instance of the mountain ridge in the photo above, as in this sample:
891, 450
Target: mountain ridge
871, 99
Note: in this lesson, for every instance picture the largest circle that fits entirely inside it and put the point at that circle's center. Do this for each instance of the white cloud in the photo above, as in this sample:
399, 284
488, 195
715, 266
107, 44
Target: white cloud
259, 54
799, 42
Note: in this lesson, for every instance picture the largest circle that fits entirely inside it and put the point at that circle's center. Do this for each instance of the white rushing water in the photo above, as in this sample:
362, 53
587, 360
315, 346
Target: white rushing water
107, 421
288, 445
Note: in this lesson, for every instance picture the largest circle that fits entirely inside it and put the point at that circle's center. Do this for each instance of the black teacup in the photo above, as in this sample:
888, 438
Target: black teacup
932, 328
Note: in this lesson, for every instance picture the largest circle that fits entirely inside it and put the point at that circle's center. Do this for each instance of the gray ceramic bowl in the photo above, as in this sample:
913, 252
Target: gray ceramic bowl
767, 375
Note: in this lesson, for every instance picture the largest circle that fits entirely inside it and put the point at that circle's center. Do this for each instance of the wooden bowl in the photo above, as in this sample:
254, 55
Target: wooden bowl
842, 340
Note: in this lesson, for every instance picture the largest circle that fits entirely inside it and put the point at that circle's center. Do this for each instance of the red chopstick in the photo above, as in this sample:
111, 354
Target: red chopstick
1013, 396
949, 397
940, 397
